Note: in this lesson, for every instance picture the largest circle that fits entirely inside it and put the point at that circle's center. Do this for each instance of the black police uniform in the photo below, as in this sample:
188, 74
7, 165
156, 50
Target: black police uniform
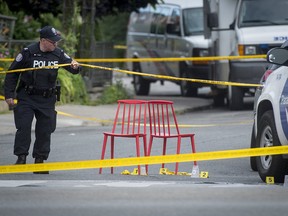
36, 97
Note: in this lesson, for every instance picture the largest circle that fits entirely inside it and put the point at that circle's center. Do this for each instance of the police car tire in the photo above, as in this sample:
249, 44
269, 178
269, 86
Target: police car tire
253, 164
274, 166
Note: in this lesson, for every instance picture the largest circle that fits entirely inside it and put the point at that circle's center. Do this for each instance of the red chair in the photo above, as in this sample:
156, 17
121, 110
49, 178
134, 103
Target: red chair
163, 124
129, 122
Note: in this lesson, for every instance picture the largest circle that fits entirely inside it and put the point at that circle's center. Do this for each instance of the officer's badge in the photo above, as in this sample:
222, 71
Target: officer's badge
19, 57
54, 31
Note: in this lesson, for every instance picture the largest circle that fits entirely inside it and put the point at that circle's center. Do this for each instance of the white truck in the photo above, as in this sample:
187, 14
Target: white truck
239, 28
171, 29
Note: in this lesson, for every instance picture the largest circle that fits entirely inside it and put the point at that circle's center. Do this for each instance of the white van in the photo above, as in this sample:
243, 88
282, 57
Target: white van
239, 28
171, 29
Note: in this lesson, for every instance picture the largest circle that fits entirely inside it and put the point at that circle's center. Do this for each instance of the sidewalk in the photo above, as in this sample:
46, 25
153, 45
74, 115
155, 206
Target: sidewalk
78, 115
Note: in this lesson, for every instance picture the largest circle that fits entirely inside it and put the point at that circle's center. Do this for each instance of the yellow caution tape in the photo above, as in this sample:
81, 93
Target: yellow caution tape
120, 47
92, 164
210, 82
208, 58
29, 69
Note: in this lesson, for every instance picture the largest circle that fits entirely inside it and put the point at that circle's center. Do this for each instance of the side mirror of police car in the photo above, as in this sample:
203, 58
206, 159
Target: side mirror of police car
278, 56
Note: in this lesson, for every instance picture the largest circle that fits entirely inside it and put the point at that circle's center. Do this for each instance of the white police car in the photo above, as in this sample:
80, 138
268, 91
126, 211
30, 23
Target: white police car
271, 117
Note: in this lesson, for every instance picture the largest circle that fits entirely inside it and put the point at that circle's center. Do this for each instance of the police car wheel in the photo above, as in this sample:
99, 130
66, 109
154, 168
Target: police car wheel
268, 165
253, 164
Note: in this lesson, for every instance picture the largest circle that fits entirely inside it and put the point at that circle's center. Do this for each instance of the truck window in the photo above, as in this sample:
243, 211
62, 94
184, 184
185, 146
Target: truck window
159, 20
140, 22
175, 20
266, 12
193, 21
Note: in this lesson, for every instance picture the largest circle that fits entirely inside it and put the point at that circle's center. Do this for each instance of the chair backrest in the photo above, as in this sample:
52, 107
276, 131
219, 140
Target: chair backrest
162, 118
130, 117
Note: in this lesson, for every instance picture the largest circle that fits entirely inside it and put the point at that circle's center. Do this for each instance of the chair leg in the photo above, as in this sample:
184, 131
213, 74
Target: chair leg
164, 149
193, 147
103, 151
178, 152
145, 152
150, 146
138, 153
112, 152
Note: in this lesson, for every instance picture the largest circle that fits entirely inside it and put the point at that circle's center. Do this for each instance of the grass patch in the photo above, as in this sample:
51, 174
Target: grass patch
111, 94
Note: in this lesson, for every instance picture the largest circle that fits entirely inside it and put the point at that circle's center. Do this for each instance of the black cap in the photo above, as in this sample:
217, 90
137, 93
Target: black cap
50, 33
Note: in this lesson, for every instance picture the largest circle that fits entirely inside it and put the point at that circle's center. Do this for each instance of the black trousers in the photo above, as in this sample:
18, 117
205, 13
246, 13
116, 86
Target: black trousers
24, 114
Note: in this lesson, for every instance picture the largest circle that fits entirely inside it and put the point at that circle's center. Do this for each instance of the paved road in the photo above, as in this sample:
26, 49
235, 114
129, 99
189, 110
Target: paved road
111, 198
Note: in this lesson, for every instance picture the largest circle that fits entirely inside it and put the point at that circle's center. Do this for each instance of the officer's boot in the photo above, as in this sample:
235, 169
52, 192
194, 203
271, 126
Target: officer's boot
21, 159
40, 160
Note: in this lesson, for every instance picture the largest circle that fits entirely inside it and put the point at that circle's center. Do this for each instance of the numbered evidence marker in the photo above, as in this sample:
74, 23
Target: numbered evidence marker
269, 180
204, 174
135, 171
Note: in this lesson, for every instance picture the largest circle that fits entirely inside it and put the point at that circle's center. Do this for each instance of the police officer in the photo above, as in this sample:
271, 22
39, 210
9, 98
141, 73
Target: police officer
36, 91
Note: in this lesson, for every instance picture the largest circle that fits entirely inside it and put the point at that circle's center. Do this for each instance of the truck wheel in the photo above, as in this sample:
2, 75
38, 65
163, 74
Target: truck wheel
187, 88
140, 84
269, 165
235, 98
253, 145
219, 100
219, 96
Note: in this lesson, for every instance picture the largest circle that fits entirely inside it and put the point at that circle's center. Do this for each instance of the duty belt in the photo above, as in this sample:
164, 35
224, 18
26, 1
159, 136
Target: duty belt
43, 92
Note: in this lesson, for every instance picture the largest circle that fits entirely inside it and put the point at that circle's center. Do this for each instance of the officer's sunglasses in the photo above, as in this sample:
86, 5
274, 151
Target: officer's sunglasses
52, 42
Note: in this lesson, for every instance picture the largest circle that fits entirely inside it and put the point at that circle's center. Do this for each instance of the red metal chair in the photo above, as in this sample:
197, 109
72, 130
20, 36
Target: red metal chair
163, 124
129, 122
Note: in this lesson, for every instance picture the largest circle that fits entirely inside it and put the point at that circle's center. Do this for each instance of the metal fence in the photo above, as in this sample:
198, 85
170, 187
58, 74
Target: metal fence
97, 77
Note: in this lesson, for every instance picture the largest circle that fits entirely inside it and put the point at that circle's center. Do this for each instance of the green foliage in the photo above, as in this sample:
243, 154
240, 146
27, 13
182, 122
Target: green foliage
118, 24
70, 33
4, 53
114, 28
1, 84
73, 88
35, 7
108, 7
49, 19
113, 93
26, 27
